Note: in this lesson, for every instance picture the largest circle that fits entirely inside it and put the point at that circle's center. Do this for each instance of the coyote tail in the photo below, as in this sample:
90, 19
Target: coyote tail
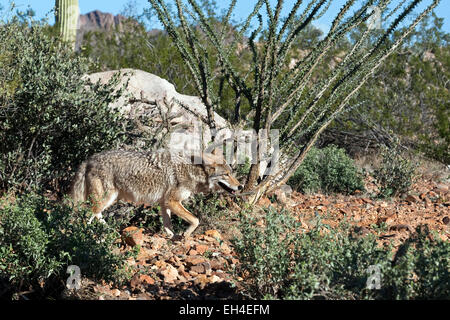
78, 188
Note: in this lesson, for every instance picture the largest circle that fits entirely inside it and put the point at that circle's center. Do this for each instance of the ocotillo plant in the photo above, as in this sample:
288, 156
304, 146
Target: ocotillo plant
291, 98
66, 19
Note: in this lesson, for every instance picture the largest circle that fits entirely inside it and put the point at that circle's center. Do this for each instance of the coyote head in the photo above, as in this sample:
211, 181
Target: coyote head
220, 176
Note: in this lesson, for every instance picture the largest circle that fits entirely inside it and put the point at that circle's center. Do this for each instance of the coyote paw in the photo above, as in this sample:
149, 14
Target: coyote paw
177, 238
99, 218
169, 232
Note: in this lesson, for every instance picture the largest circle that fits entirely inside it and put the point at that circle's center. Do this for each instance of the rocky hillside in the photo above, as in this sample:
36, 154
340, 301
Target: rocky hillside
101, 21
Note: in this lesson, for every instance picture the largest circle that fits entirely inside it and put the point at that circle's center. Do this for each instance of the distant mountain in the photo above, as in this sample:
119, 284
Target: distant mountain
101, 21
97, 20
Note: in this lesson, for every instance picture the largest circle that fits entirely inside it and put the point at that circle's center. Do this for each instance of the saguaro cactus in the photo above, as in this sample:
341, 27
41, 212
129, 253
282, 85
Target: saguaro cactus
66, 16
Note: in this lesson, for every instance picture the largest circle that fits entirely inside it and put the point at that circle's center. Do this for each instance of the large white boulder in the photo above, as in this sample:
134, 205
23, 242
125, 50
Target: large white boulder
188, 113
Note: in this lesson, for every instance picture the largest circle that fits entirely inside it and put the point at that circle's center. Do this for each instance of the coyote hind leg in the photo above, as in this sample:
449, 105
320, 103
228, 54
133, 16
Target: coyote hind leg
177, 208
100, 198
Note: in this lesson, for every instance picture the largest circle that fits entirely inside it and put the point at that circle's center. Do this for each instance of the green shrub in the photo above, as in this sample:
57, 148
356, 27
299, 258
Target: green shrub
329, 170
25, 256
421, 268
40, 238
242, 170
280, 260
395, 173
50, 118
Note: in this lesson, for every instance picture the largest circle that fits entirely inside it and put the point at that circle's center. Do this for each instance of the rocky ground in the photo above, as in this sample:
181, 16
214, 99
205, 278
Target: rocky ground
198, 267
428, 203
204, 266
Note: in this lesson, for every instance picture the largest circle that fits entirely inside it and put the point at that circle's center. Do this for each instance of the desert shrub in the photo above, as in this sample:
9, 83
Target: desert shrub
24, 247
211, 209
395, 173
280, 260
283, 262
243, 169
421, 268
330, 170
51, 119
40, 238
264, 254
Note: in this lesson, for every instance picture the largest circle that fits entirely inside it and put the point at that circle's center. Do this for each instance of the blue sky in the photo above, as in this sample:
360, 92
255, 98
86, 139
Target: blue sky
243, 8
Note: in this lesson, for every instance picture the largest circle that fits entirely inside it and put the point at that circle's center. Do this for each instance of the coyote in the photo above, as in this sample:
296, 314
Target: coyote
151, 178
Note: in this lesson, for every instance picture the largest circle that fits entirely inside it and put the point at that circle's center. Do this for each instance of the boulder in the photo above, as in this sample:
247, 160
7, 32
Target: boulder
155, 99
133, 236
152, 97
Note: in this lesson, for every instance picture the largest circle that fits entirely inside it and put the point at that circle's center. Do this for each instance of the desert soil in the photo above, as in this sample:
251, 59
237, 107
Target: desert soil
205, 266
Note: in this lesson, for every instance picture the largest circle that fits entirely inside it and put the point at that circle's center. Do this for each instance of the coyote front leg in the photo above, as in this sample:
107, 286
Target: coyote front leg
165, 213
177, 208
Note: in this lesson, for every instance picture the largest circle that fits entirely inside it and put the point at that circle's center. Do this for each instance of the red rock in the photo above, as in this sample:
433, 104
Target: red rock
184, 274
216, 264
260, 223
202, 280
157, 243
201, 248
160, 264
133, 236
264, 202
221, 275
187, 244
442, 187
225, 248
384, 204
145, 254
215, 279
194, 260
193, 252
208, 268
400, 227
199, 268
136, 282
386, 219
170, 274
193, 273
210, 239
143, 278
412, 198
214, 234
